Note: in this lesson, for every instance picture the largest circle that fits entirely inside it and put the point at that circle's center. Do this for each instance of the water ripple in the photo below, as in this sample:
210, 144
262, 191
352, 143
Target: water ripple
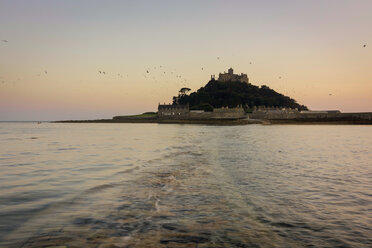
149, 185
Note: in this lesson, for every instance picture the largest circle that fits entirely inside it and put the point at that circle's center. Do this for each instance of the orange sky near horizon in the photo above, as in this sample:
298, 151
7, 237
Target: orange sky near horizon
311, 51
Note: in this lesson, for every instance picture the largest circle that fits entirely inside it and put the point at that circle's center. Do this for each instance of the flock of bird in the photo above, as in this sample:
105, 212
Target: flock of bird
152, 72
148, 71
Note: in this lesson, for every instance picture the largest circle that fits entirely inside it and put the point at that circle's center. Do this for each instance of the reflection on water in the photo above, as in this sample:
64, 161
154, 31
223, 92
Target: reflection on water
150, 185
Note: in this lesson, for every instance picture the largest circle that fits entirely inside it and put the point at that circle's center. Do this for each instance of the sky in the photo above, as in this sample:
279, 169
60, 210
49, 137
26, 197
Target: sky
51, 53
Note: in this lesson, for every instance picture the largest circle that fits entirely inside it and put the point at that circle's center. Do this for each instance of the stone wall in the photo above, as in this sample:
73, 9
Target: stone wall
293, 114
219, 113
272, 113
337, 116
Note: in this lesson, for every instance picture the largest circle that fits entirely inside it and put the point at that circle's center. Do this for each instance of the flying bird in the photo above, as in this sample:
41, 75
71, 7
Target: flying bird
4, 40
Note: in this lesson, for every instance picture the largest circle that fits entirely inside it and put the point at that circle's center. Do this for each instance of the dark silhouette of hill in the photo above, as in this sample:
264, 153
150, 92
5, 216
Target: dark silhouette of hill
220, 94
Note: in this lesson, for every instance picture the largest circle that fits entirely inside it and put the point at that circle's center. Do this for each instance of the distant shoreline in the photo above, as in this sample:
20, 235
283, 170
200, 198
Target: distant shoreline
231, 122
227, 122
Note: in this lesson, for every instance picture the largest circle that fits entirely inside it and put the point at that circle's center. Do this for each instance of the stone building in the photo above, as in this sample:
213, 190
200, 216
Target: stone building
169, 111
182, 112
230, 76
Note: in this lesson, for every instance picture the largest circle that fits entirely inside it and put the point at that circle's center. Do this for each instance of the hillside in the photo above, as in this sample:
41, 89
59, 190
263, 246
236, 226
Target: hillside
219, 94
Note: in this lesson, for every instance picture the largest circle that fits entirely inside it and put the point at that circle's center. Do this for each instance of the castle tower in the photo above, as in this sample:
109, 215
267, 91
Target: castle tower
230, 76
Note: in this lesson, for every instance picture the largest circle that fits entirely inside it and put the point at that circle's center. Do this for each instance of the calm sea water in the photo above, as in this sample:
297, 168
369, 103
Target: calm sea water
150, 185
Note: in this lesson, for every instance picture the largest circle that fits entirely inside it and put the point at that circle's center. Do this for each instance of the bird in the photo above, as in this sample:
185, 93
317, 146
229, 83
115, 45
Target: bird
104, 72
330, 94
4, 40
100, 72
218, 57
45, 72
280, 77
202, 68
147, 71
364, 45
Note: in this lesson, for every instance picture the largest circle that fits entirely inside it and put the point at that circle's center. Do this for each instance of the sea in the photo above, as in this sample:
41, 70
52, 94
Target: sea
174, 185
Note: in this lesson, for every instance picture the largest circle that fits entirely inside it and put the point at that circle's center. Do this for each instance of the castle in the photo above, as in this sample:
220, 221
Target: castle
230, 76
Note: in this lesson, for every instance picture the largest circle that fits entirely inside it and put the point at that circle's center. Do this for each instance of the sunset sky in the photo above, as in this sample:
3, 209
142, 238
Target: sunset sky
51, 53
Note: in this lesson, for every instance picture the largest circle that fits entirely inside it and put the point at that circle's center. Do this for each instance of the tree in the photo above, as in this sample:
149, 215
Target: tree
220, 94
183, 91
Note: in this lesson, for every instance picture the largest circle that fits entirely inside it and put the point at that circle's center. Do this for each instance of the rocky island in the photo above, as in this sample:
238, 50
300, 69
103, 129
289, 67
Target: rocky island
233, 100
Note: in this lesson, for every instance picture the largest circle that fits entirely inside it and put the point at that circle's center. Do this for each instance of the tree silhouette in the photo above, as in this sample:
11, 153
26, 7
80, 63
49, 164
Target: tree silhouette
183, 91
220, 94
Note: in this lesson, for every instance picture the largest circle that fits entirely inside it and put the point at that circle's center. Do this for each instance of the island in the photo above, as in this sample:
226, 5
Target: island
233, 100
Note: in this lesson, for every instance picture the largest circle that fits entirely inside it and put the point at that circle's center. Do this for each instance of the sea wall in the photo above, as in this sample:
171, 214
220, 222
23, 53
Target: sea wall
275, 114
284, 115
219, 113
365, 117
